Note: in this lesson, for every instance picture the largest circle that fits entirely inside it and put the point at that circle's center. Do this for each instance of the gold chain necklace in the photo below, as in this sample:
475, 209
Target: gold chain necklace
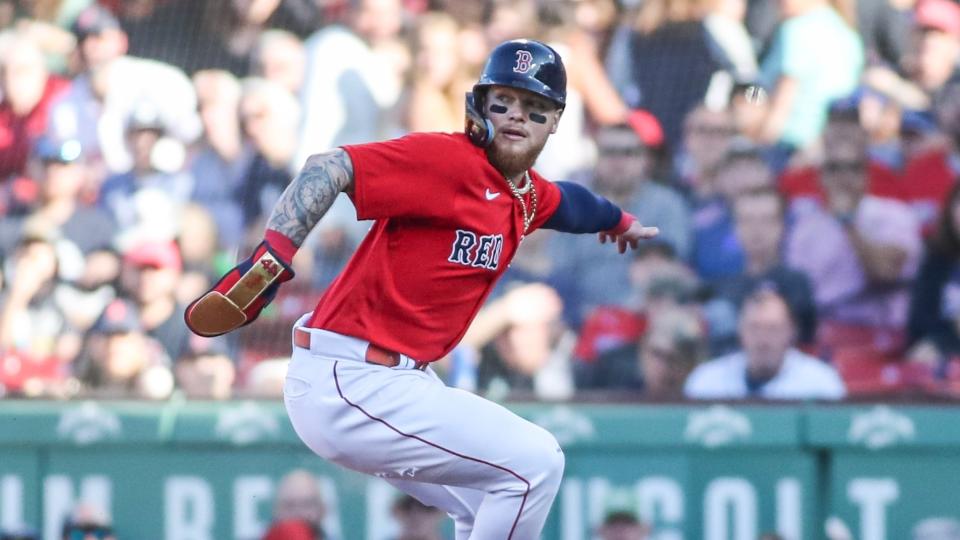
527, 218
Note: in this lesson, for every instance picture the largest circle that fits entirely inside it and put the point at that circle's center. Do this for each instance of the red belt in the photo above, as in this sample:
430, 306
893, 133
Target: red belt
375, 355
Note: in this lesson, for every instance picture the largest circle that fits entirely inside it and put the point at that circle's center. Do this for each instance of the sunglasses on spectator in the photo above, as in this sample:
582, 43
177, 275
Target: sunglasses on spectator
81, 532
843, 166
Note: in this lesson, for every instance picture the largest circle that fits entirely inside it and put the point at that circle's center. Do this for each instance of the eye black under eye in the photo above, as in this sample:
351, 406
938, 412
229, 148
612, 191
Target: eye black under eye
538, 118
499, 109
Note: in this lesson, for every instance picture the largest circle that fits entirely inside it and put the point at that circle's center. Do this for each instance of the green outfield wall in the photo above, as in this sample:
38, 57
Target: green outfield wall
203, 471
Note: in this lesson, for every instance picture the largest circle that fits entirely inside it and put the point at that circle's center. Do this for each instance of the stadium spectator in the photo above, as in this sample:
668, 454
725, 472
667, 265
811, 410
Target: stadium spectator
936, 46
663, 29
87, 521
926, 176
591, 275
121, 360
434, 101
816, 57
707, 133
270, 118
510, 19
26, 91
37, 342
97, 106
279, 57
157, 166
416, 520
523, 343
349, 87
59, 173
716, 252
216, 34
934, 321
592, 100
299, 497
221, 159
673, 343
609, 337
760, 222
859, 250
205, 371
87, 264
768, 367
844, 139
622, 525
150, 274
909, 156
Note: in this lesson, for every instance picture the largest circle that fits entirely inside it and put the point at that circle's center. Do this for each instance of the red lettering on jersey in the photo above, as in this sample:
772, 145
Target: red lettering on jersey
270, 266
524, 62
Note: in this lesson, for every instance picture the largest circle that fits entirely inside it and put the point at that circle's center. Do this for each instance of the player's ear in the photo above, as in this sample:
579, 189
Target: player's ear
556, 121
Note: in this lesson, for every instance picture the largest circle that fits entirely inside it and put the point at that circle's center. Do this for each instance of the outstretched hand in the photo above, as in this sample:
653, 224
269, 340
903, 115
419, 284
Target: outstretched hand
631, 236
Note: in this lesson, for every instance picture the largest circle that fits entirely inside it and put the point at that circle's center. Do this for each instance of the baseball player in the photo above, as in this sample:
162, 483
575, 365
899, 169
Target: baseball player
449, 211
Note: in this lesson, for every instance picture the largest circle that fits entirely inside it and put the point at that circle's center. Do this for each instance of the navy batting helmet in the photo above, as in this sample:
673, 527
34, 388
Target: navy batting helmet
527, 64
520, 63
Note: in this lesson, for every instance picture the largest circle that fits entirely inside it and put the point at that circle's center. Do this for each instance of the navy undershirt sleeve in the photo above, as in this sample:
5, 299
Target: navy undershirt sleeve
580, 211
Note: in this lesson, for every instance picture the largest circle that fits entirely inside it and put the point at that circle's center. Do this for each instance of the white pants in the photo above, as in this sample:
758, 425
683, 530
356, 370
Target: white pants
493, 472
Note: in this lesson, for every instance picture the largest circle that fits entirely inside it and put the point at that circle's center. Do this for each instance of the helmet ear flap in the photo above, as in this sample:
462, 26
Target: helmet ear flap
478, 127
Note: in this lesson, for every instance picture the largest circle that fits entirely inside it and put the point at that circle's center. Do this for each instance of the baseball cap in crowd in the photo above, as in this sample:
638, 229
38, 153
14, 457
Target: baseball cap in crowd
646, 126
943, 15
121, 316
94, 20
157, 254
50, 150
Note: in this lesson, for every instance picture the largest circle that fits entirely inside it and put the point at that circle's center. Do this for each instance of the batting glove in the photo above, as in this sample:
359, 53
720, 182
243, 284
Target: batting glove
242, 293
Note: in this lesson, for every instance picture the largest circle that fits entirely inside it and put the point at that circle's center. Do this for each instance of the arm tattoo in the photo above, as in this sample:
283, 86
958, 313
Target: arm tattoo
311, 194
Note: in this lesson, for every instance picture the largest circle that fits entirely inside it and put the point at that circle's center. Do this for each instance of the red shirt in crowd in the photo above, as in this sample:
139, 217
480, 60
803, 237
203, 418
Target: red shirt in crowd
18, 133
447, 226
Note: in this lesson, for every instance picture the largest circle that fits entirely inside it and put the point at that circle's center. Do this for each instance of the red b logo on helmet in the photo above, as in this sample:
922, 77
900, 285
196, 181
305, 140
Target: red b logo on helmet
524, 62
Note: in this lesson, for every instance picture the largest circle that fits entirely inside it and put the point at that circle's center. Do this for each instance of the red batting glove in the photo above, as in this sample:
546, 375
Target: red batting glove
242, 293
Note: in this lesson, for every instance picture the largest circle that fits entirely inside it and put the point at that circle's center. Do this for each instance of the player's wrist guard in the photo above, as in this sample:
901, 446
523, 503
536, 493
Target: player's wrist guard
626, 220
242, 293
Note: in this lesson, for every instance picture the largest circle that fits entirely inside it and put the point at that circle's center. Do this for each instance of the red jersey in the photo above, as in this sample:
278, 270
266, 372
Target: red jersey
447, 226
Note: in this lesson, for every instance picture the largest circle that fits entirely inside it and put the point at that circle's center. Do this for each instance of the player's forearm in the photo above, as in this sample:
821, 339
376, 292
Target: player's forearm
310, 195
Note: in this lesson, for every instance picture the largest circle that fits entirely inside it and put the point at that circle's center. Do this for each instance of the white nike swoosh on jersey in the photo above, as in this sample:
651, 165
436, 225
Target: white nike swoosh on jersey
491, 195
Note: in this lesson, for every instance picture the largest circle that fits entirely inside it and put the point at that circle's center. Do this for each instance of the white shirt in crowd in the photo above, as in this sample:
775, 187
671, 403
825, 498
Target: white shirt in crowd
800, 377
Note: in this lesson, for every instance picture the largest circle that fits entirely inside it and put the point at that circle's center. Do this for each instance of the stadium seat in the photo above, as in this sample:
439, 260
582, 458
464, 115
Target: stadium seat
867, 372
833, 336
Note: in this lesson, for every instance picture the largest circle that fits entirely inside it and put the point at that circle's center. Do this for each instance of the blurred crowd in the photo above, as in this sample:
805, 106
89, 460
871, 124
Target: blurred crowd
799, 157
